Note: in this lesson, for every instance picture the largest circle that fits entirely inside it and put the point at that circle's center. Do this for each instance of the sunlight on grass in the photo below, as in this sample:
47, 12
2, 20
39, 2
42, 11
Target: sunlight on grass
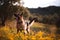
7, 33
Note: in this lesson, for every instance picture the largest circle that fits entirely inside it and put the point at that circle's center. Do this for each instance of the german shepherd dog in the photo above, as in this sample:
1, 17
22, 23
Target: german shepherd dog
22, 25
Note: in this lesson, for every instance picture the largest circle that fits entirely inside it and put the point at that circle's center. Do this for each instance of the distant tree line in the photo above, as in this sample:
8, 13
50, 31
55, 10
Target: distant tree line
47, 19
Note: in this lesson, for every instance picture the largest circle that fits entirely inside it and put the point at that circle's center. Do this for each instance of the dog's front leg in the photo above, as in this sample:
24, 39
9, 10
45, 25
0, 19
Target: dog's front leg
25, 30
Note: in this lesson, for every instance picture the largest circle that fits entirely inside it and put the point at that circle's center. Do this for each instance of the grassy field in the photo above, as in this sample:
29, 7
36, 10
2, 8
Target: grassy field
37, 33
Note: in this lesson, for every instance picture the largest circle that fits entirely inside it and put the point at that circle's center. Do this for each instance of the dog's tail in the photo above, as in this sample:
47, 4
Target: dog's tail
32, 21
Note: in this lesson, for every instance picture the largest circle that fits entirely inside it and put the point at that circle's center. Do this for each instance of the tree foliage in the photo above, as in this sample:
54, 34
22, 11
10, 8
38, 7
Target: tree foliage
7, 9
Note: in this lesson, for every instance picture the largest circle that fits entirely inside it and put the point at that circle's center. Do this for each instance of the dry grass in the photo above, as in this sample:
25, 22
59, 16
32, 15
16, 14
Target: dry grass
7, 33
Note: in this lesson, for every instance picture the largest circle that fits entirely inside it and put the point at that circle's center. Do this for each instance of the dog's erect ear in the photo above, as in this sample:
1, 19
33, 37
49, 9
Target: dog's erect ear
15, 15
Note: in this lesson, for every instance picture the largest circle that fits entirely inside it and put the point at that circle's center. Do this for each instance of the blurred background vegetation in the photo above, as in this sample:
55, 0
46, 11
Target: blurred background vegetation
47, 22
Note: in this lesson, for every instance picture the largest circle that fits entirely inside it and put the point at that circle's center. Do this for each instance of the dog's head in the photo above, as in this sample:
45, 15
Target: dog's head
21, 14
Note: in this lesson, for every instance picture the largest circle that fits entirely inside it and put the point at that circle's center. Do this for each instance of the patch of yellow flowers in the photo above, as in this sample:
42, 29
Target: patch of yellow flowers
9, 34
